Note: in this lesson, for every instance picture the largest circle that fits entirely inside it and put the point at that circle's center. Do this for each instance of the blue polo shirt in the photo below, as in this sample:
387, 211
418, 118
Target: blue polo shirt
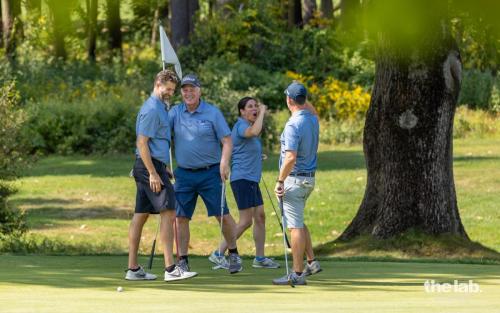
247, 154
301, 134
152, 121
198, 135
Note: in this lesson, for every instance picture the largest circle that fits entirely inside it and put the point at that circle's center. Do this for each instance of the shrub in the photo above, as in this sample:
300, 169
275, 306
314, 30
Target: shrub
257, 34
341, 132
13, 157
475, 123
97, 122
494, 104
336, 99
219, 75
476, 89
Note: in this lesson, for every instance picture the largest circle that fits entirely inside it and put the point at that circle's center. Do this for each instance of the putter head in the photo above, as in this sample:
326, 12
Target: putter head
290, 282
219, 267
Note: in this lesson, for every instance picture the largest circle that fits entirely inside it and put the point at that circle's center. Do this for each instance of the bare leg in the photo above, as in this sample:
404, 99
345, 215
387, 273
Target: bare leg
184, 234
309, 248
298, 248
167, 235
259, 230
134, 237
228, 230
243, 224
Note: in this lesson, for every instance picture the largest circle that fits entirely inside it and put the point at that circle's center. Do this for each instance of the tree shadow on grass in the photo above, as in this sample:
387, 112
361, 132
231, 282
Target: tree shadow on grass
327, 161
475, 158
95, 166
105, 272
50, 217
120, 165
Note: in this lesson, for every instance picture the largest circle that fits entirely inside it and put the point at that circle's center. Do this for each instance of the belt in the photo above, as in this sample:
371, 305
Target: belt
200, 168
304, 174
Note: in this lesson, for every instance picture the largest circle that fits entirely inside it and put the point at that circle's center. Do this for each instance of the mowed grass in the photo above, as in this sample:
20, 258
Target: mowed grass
68, 284
86, 202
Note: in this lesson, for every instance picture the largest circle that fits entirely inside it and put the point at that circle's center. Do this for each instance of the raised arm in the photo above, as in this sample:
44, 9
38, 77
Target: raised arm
256, 128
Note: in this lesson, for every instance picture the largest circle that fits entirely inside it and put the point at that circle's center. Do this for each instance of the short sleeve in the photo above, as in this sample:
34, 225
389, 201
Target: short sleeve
221, 128
241, 129
171, 117
149, 123
292, 137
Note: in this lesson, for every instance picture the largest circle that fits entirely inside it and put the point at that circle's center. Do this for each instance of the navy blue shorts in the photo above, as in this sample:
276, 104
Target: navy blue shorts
147, 201
246, 193
204, 182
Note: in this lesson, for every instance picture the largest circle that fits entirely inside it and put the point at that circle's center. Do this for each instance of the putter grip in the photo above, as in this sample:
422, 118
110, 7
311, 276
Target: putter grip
150, 263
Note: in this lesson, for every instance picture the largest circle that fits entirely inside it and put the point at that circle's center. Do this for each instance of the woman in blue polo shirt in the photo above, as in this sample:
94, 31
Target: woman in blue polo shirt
246, 172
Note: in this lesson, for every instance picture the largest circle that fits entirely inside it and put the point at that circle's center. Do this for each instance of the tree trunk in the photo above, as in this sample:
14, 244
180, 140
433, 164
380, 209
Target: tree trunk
114, 27
11, 27
309, 8
327, 8
160, 18
408, 140
60, 26
92, 29
34, 8
182, 22
1, 26
349, 14
154, 26
294, 14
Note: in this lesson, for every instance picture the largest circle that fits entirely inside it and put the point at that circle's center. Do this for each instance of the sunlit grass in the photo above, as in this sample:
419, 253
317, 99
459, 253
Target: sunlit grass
88, 201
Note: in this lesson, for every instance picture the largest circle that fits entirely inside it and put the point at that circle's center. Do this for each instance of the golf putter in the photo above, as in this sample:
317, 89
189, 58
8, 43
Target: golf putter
275, 212
152, 255
223, 193
280, 202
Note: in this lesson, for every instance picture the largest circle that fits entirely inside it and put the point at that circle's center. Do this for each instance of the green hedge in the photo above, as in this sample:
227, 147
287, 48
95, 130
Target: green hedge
101, 124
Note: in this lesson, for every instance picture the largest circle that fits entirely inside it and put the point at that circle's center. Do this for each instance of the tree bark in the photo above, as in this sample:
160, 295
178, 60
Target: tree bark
60, 26
182, 22
1, 26
294, 14
114, 27
408, 141
327, 8
154, 26
92, 29
309, 8
11, 27
349, 14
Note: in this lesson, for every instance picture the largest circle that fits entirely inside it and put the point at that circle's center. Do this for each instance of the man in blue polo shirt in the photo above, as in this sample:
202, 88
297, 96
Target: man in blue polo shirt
202, 166
299, 147
155, 194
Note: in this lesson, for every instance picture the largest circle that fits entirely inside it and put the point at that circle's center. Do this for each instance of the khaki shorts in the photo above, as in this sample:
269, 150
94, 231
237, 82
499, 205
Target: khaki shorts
297, 190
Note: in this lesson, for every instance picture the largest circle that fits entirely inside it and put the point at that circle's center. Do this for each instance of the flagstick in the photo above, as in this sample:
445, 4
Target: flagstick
168, 56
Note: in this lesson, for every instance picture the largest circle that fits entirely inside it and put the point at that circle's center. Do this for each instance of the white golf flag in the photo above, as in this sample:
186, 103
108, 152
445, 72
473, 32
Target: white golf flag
168, 54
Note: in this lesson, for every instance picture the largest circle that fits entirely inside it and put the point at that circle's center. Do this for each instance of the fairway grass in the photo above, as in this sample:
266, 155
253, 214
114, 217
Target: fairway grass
69, 284
83, 204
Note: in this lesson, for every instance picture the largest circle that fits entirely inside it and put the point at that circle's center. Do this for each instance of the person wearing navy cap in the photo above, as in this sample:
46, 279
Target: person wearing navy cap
155, 193
202, 166
298, 162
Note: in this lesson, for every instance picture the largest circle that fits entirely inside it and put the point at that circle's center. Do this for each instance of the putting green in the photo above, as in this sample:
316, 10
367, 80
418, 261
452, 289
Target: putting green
88, 284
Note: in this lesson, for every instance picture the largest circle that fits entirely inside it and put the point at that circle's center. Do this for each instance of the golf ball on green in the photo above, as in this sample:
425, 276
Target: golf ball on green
119, 289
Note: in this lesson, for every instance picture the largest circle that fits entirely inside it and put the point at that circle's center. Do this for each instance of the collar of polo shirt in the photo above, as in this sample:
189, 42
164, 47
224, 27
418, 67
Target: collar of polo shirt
300, 112
199, 109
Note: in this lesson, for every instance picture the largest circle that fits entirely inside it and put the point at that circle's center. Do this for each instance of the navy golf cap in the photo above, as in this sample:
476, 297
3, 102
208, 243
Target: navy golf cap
190, 79
297, 92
